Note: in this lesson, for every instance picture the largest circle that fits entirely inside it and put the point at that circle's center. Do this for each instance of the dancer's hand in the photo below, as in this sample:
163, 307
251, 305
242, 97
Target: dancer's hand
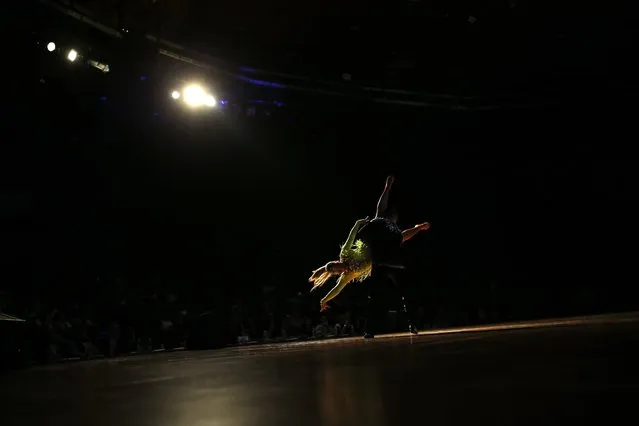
323, 307
362, 221
424, 226
389, 181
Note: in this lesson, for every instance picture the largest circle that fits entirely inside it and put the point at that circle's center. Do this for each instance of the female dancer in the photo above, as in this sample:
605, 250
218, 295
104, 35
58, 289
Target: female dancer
368, 242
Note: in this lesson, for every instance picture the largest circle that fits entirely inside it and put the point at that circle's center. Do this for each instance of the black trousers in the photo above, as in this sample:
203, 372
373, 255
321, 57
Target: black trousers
385, 292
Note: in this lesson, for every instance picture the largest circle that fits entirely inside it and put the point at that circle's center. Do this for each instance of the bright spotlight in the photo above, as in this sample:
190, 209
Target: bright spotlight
51, 47
210, 101
73, 55
194, 95
175, 94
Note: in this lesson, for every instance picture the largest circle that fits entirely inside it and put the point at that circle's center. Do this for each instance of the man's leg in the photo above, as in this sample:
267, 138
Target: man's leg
405, 309
376, 309
408, 321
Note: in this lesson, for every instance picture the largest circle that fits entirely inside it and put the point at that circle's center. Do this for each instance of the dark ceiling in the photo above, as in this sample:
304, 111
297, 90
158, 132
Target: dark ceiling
457, 47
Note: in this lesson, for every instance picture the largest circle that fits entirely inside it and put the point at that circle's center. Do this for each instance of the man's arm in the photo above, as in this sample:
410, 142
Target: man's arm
407, 234
382, 203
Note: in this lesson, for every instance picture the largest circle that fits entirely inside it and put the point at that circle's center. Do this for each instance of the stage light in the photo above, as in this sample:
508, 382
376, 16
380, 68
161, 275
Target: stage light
72, 55
210, 101
194, 95
51, 47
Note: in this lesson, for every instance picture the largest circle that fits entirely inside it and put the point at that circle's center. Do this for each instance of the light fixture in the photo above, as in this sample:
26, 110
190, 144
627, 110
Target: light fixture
195, 96
99, 65
210, 101
72, 55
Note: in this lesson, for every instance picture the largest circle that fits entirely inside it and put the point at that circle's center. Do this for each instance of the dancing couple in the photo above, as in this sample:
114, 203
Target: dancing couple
370, 251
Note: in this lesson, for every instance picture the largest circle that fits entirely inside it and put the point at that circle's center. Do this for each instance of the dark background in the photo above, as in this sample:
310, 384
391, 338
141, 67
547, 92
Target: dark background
530, 190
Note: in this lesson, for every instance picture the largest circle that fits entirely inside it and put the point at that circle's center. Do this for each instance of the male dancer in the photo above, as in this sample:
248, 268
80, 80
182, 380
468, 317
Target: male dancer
371, 247
385, 238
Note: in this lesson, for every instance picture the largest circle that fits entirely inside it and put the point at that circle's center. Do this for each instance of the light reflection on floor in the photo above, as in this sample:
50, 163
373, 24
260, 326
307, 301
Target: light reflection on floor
556, 322
559, 371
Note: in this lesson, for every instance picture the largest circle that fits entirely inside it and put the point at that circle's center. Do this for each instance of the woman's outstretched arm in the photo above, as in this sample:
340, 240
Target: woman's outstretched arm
341, 283
352, 235
409, 233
